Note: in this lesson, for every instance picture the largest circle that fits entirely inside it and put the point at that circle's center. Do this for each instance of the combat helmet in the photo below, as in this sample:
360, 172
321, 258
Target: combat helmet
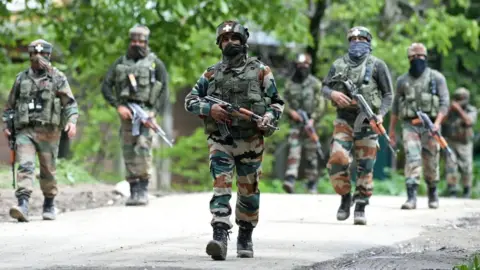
232, 27
359, 31
416, 48
139, 32
303, 58
461, 93
40, 46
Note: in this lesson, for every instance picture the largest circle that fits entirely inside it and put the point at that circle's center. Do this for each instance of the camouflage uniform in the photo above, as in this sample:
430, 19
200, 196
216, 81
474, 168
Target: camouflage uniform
352, 130
249, 83
43, 104
425, 89
302, 92
151, 94
459, 134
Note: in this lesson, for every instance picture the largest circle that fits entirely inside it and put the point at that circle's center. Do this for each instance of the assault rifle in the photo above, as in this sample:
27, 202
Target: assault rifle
139, 117
365, 108
236, 110
427, 123
311, 132
11, 143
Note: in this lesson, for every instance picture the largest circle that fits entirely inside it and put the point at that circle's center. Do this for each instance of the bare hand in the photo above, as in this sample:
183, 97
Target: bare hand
456, 106
266, 119
375, 126
310, 122
341, 99
124, 112
295, 116
150, 123
6, 132
436, 127
71, 129
218, 113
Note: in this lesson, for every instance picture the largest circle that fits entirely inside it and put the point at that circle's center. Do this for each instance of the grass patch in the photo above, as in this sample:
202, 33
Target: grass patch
473, 265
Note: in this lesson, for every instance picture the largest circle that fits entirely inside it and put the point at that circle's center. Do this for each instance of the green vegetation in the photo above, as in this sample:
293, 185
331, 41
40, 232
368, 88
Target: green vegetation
473, 265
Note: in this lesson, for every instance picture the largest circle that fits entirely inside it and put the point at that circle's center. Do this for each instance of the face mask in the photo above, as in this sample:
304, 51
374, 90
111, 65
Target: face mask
137, 52
357, 50
232, 49
417, 66
39, 62
301, 73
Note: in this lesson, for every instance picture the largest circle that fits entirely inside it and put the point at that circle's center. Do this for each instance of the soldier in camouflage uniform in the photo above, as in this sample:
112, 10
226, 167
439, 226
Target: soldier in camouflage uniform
150, 93
302, 92
421, 88
458, 131
43, 105
248, 83
352, 130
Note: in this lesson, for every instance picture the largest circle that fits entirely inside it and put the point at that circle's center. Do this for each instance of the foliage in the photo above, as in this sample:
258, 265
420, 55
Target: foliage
473, 265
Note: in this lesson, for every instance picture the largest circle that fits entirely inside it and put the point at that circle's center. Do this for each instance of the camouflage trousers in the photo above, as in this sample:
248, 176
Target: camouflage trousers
137, 151
464, 154
364, 145
41, 141
296, 139
245, 156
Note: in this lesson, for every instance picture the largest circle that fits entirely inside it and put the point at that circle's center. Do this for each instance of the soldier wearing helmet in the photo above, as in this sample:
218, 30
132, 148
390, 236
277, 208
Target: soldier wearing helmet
138, 77
420, 89
302, 92
352, 130
41, 105
457, 129
235, 143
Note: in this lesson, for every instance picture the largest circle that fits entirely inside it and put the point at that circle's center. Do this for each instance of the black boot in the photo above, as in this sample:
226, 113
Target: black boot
467, 192
312, 186
452, 191
134, 190
411, 202
217, 248
432, 197
48, 209
344, 210
20, 212
143, 192
244, 243
359, 214
289, 184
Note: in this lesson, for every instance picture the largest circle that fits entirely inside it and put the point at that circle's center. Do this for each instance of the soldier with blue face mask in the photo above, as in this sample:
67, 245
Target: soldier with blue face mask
352, 131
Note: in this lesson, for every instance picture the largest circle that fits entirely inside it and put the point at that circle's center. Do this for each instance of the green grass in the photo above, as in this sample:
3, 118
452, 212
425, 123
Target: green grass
473, 265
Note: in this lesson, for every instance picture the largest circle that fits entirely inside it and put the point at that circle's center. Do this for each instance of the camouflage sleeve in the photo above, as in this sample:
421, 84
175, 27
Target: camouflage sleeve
443, 93
12, 96
194, 103
319, 102
277, 104
384, 82
398, 94
69, 104
473, 114
161, 74
108, 84
326, 90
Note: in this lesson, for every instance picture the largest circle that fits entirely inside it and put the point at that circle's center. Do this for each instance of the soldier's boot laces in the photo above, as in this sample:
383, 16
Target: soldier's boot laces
289, 185
432, 197
48, 209
467, 192
344, 210
312, 187
411, 202
359, 214
244, 243
143, 192
452, 191
20, 212
134, 196
217, 248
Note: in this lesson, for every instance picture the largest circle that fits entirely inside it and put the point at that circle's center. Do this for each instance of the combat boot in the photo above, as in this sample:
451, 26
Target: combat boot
344, 210
20, 212
244, 243
411, 202
359, 214
452, 191
467, 192
134, 190
432, 197
289, 184
312, 186
217, 248
48, 209
143, 192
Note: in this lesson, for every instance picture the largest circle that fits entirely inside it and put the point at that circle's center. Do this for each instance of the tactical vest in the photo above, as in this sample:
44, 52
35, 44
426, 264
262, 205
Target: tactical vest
37, 100
455, 129
361, 76
242, 89
148, 87
302, 95
419, 94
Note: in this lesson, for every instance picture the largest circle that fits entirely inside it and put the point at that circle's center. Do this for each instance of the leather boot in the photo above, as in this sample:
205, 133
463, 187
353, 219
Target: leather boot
432, 197
359, 214
344, 210
20, 212
289, 184
467, 192
452, 191
312, 186
411, 202
217, 248
48, 209
143, 192
134, 190
244, 243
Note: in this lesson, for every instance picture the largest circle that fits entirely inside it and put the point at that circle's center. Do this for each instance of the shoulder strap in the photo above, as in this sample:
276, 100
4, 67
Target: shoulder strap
370, 63
433, 83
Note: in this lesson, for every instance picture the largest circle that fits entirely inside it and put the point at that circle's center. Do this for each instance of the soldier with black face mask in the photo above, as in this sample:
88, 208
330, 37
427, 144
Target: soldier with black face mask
138, 77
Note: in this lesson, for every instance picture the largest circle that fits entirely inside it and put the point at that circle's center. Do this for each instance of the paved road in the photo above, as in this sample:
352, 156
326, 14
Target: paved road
171, 233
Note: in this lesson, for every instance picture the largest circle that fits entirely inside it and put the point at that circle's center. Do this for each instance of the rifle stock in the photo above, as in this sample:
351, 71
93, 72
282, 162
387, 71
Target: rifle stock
427, 123
12, 143
139, 117
311, 132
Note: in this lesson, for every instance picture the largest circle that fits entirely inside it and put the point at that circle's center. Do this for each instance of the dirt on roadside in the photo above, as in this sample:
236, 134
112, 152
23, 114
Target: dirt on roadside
436, 248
